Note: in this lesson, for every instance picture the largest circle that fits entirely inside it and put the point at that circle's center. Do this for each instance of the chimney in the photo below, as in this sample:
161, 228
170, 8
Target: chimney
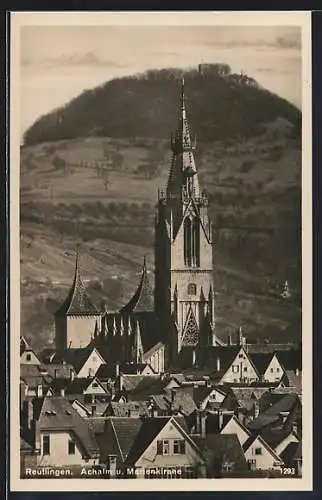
194, 357
39, 391
230, 340
203, 417
72, 374
220, 419
93, 410
255, 410
56, 373
62, 391
117, 369
218, 364
297, 372
152, 409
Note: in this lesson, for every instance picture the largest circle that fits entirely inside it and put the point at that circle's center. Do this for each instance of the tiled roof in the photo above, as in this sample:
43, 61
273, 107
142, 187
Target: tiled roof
77, 301
24, 345
178, 400
142, 300
58, 370
284, 403
294, 380
225, 354
125, 431
140, 408
57, 413
32, 376
221, 448
25, 447
140, 383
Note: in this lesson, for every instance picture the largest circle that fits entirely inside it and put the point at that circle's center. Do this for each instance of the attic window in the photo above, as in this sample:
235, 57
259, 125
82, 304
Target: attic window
71, 447
28, 357
94, 384
192, 289
258, 451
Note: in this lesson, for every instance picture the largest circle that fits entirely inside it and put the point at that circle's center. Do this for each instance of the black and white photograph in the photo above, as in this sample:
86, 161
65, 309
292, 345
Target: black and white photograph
160, 251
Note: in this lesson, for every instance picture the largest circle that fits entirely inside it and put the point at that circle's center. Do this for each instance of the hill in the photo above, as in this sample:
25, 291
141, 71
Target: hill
221, 107
100, 192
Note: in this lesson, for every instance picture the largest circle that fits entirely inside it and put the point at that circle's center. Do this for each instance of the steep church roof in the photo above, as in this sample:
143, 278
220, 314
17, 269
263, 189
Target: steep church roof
77, 301
142, 300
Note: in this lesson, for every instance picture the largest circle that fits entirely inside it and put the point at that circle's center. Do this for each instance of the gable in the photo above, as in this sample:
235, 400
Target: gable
274, 370
267, 451
95, 387
28, 357
234, 427
241, 368
170, 432
91, 365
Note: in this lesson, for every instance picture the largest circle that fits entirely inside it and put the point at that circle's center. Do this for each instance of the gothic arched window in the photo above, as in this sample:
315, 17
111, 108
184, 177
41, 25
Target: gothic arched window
191, 241
192, 289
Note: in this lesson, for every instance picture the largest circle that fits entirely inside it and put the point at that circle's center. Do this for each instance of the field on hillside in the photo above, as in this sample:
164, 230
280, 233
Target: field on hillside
100, 193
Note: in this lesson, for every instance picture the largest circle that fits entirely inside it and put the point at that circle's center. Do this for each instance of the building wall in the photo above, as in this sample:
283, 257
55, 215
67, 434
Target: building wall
59, 451
233, 427
264, 461
91, 365
151, 459
274, 372
240, 369
80, 330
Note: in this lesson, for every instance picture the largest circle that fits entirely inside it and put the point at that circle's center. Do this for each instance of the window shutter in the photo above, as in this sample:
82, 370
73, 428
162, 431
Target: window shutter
159, 447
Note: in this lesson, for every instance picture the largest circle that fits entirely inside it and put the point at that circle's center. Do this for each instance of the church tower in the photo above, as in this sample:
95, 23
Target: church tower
184, 290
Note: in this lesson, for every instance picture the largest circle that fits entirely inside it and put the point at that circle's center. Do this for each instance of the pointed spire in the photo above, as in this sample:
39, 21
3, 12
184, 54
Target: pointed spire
96, 330
129, 326
121, 327
77, 301
114, 327
142, 300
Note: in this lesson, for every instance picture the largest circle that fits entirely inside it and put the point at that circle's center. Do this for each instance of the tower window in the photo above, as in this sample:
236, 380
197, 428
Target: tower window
192, 289
191, 241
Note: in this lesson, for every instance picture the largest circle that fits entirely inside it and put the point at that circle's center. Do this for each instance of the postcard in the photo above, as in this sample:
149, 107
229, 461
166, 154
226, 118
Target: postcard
160, 251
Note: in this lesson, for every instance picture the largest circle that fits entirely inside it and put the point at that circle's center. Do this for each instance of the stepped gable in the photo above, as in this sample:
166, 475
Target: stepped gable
142, 300
77, 301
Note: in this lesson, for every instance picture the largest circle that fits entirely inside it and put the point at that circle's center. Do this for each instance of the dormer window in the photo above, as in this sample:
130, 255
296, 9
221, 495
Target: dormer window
192, 289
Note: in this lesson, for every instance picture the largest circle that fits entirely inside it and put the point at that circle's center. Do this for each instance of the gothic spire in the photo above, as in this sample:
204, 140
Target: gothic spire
183, 172
77, 301
142, 300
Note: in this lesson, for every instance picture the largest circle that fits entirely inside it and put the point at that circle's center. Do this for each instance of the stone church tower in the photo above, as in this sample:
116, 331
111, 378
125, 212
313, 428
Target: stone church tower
184, 289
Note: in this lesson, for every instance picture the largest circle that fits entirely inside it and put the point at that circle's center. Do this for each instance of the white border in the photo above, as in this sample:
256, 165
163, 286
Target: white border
302, 19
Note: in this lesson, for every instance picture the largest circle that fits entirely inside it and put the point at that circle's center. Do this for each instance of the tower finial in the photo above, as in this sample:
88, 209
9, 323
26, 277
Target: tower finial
77, 256
144, 263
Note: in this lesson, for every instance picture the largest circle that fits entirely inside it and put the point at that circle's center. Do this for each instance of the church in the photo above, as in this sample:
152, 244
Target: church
174, 324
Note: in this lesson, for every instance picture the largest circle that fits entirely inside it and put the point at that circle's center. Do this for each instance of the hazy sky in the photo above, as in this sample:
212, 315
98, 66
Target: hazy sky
59, 62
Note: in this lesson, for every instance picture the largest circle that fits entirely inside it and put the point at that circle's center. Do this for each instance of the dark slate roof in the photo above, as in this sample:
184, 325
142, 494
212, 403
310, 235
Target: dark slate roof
222, 447
226, 355
284, 403
274, 436
77, 301
294, 380
142, 300
292, 452
25, 447
261, 360
125, 432
75, 356
56, 413
290, 360
62, 371
140, 383
76, 386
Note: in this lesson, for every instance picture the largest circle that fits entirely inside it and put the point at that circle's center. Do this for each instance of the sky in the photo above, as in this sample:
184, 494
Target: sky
58, 62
